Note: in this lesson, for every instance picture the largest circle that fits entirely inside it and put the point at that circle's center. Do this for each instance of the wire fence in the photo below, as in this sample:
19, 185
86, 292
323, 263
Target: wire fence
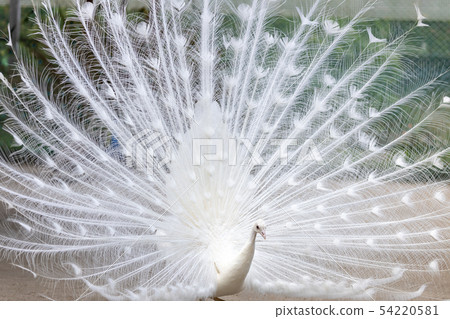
391, 16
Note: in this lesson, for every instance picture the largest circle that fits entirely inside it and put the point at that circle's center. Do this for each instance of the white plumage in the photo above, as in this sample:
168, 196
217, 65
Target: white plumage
163, 139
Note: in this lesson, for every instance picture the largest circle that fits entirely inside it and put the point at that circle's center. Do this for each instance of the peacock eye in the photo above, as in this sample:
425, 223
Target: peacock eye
257, 227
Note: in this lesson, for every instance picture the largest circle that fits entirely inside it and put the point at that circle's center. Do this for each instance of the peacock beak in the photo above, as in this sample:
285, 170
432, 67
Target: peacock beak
263, 234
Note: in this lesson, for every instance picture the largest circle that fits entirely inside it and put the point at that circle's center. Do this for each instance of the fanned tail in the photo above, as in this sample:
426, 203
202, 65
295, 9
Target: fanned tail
163, 136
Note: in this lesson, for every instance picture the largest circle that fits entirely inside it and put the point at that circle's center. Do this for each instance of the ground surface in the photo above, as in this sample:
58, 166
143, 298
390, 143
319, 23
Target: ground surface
18, 284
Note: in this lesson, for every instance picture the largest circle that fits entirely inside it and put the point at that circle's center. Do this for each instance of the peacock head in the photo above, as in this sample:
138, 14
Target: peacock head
260, 228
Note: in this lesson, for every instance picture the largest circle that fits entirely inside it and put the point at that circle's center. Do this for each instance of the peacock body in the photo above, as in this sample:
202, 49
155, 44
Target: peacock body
166, 141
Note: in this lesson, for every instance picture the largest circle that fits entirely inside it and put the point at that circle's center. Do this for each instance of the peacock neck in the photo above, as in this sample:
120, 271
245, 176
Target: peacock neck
252, 237
249, 247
